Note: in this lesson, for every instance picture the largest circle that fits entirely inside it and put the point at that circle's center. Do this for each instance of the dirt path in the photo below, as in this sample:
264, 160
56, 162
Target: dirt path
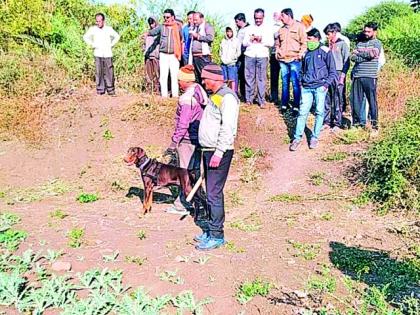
83, 153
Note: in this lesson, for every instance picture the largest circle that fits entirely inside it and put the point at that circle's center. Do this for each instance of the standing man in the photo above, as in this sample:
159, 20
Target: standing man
170, 52
187, 120
365, 76
258, 40
102, 38
186, 37
202, 37
241, 24
274, 64
318, 73
334, 100
217, 132
290, 50
151, 57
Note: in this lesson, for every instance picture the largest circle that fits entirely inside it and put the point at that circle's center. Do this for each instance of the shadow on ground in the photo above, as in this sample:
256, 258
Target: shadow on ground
398, 278
157, 196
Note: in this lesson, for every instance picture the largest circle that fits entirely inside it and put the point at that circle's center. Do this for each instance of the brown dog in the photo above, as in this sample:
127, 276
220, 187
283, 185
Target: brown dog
154, 173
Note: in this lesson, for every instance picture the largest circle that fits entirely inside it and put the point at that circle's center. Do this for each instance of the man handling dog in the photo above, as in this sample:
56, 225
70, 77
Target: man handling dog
216, 135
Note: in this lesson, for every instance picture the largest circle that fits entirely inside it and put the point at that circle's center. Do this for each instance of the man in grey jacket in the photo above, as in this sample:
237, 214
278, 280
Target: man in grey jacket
216, 135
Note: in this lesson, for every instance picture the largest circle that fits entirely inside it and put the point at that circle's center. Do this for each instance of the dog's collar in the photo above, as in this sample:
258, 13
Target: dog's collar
142, 162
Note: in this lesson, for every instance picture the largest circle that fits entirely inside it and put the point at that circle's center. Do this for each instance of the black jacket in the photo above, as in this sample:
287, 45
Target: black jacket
318, 68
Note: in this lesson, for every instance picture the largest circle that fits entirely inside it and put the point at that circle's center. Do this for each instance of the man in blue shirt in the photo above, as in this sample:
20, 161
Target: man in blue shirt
187, 38
318, 73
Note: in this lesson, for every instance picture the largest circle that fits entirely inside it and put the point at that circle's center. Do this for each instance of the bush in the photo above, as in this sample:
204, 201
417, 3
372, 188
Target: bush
382, 14
402, 37
392, 165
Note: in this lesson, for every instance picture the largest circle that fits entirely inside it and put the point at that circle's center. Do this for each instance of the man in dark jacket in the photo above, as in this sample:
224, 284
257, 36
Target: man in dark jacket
318, 73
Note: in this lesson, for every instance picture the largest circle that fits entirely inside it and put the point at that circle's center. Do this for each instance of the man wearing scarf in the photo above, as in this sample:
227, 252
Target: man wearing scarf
318, 73
170, 52
202, 37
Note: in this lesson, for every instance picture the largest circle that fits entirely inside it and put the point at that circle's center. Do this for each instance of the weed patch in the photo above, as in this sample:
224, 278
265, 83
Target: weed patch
248, 290
231, 246
251, 223
58, 214
306, 251
87, 198
141, 234
139, 261
75, 237
171, 276
317, 178
286, 198
334, 157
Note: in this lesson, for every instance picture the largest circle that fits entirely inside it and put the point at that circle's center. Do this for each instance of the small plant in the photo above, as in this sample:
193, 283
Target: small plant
351, 136
86, 198
248, 152
171, 276
202, 260
75, 237
141, 234
11, 239
248, 290
235, 198
53, 255
251, 223
307, 251
286, 198
107, 135
186, 300
230, 246
327, 216
323, 283
334, 157
58, 214
110, 258
7, 220
139, 261
317, 178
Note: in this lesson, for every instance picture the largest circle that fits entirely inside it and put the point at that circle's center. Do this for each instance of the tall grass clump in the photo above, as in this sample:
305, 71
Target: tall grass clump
382, 14
392, 165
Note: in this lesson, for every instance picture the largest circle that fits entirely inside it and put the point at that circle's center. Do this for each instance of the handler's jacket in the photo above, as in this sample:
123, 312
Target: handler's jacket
318, 68
219, 124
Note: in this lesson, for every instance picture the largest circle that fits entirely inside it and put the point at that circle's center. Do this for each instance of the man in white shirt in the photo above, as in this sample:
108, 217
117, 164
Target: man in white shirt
258, 39
102, 38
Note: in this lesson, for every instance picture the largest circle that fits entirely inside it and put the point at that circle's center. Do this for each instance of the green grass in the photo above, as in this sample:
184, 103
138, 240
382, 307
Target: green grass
11, 239
247, 290
75, 237
327, 216
392, 165
317, 178
107, 135
335, 157
58, 214
231, 246
141, 234
251, 223
286, 198
304, 250
137, 260
352, 136
87, 198
324, 282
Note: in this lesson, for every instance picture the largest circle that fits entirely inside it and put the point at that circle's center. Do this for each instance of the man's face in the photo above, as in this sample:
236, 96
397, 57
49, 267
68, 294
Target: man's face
259, 18
99, 21
152, 25
167, 17
313, 39
331, 36
369, 32
197, 19
276, 17
190, 19
285, 18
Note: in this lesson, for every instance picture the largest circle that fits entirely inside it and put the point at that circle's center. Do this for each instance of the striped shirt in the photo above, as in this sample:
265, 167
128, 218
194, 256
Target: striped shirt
366, 58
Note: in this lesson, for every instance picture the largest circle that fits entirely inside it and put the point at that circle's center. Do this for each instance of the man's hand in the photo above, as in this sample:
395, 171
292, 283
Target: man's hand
215, 161
325, 88
341, 80
171, 149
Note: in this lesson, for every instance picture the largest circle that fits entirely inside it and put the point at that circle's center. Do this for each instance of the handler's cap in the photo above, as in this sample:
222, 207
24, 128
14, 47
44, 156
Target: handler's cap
212, 72
186, 73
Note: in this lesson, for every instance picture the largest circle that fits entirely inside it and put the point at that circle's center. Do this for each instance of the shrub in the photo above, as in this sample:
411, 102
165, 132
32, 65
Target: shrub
402, 37
382, 14
392, 165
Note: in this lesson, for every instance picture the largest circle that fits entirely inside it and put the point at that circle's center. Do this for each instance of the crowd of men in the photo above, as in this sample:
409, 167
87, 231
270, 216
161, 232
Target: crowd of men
291, 49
